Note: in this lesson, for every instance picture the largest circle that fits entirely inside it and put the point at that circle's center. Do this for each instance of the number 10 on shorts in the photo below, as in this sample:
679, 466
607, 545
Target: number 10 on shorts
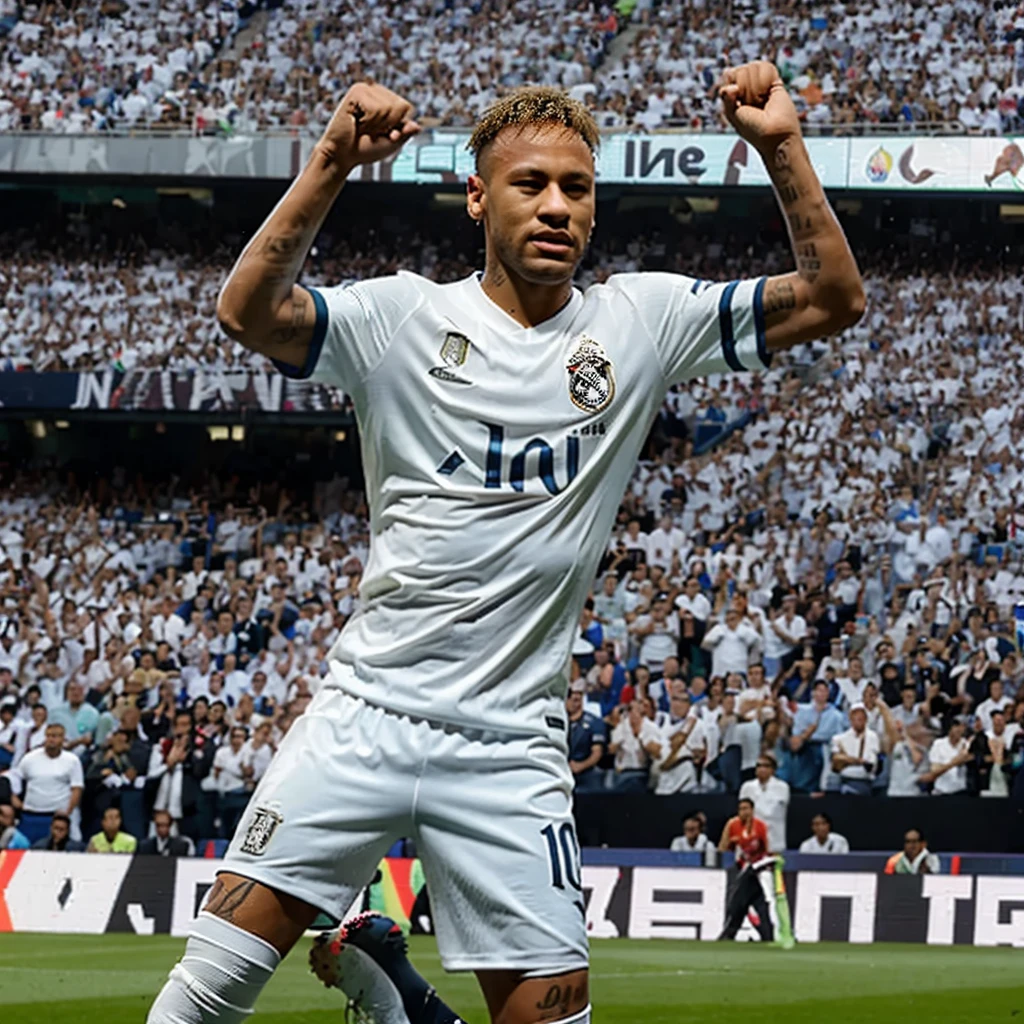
564, 853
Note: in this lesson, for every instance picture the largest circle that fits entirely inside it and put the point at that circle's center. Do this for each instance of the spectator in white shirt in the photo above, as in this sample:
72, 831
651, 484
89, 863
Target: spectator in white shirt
1000, 741
783, 634
997, 699
694, 610
731, 643
52, 780
853, 684
855, 754
771, 800
949, 757
635, 742
695, 840
823, 839
658, 635
683, 745
229, 770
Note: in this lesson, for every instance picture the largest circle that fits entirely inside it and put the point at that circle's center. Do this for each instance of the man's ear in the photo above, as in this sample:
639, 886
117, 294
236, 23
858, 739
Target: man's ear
475, 197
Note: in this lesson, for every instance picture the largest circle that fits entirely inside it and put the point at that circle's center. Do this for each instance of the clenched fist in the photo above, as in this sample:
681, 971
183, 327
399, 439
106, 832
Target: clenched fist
371, 123
757, 104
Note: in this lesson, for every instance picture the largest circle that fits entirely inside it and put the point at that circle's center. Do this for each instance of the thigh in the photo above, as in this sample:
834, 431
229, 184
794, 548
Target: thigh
335, 797
513, 999
495, 830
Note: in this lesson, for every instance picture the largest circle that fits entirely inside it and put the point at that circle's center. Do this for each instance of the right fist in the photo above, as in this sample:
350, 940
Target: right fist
371, 123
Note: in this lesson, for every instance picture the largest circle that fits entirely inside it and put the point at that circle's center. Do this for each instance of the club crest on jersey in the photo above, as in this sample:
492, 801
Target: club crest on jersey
591, 376
260, 831
454, 352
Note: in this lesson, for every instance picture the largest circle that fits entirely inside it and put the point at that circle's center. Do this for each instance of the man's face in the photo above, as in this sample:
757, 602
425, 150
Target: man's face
119, 743
956, 733
756, 676
182, 725
225, 623
75, 694
858, 719
732, 618
912, 843
692, 586
996, 689
745, 811
820, 827
856, 669
162, 824
610, 583
909, 697
237, 739
58, 830
54, 741
111, 821
764, 770
38, 715
998, 723
691, 829
574, 702
535, 195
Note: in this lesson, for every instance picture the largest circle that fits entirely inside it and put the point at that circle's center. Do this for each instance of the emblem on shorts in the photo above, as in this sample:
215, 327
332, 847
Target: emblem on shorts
260, 831
591, 377
454, 352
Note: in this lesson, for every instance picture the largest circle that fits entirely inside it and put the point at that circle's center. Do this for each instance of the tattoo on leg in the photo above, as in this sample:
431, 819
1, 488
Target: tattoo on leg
559, 1001
779, 297
224, 901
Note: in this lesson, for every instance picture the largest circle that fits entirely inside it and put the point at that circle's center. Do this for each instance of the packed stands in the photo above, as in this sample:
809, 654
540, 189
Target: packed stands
183, 65
855, 523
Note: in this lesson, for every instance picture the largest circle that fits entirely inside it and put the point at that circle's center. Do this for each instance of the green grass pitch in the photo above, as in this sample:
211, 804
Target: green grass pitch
50, 979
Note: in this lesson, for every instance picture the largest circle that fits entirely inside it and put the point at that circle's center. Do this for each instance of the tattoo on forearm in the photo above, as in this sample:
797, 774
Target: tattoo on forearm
801, 224
224, 901
780, 296
789, 194
282, 249
807, 260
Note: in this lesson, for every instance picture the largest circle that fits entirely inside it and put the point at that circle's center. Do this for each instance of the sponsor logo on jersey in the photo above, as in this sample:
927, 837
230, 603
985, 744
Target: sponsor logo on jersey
591, 376
260, 831
454, 352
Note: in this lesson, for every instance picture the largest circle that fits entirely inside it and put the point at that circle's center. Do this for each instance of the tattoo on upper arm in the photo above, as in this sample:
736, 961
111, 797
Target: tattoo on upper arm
291, 331
225, 900
779, 296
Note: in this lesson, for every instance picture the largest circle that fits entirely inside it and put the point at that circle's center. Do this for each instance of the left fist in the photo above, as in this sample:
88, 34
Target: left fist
757, 104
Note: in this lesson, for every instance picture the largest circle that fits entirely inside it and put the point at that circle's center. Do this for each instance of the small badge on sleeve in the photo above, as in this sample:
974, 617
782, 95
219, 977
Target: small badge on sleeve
260, 831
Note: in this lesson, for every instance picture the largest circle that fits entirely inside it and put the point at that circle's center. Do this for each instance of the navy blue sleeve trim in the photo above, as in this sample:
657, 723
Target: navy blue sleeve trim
725, 328
762, 342
316, 343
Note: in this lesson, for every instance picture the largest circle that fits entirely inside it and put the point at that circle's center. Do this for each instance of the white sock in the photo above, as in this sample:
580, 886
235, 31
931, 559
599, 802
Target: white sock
218, 979
583, 1017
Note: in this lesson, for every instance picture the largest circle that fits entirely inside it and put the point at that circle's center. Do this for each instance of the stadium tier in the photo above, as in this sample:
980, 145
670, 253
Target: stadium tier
214, 68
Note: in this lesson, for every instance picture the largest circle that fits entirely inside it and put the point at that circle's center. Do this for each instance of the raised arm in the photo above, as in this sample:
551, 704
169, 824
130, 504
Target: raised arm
825, 294
260, 305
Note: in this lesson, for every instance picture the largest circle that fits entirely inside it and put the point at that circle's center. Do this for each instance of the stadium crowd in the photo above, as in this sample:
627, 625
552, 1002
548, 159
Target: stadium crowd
117, 65
824, 600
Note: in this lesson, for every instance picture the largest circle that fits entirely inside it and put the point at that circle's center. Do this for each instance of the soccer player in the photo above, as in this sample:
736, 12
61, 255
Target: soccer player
747, 837
500, 418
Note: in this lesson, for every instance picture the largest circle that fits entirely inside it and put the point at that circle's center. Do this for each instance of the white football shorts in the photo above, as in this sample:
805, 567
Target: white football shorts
491, 816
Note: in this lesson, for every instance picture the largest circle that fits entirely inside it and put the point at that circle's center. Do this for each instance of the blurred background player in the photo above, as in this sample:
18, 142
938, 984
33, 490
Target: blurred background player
747, 837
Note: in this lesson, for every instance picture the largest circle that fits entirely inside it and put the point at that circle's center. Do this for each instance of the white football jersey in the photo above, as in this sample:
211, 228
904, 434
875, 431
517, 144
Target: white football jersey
495, 458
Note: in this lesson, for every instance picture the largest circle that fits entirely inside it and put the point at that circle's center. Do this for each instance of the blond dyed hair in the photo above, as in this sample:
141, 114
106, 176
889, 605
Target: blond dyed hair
530, 105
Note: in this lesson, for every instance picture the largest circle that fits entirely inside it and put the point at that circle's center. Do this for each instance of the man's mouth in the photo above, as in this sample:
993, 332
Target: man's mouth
553, 243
